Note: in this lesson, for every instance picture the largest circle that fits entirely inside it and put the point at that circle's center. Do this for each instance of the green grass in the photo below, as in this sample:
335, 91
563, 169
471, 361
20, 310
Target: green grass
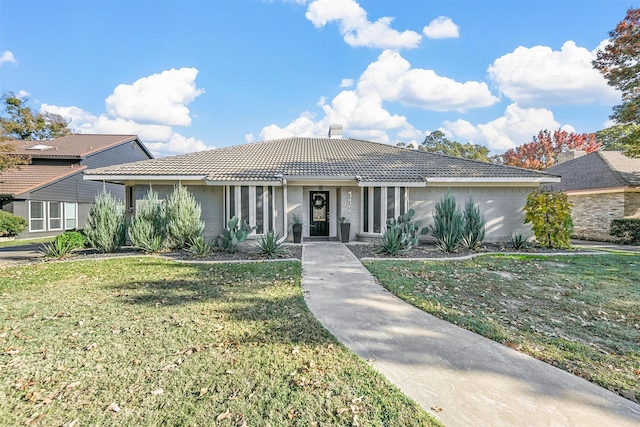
580, 313
23, 242
145, 341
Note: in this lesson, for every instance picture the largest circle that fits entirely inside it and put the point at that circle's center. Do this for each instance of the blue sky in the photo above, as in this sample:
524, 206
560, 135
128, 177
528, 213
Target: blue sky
194, 75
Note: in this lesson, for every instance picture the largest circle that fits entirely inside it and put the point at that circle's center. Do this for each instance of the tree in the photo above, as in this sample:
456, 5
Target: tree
9, 160
436, 142
549, 213
543, 152
618, 137
619, 63
20, 122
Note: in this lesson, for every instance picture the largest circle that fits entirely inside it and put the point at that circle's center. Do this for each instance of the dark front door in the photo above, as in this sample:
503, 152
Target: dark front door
319, 213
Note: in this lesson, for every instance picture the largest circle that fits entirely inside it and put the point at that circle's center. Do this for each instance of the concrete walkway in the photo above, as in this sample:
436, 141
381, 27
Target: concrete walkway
475, 381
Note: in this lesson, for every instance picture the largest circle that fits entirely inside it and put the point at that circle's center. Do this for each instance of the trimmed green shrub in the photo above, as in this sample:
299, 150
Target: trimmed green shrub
182, 218
269, 246
76, 238
148, 227
106, 228
628, 229
448, 228
230, 237
549, 213
474, 230
11, 225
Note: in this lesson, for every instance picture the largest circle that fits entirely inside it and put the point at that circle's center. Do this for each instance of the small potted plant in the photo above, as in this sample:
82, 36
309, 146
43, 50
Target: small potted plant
296, 225
345, 229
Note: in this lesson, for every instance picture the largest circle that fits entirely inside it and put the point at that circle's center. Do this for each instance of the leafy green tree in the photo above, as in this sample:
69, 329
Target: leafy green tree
619, 62
106, 227
549, 213
19, 121
436, 142
183, 218
618, 137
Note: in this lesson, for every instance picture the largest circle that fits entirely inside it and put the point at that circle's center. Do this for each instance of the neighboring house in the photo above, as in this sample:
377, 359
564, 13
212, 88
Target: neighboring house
321, 179
602, 186
50, 192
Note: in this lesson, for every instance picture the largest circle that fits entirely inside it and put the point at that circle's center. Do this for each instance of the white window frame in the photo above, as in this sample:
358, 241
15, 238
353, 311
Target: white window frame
67, 217
253, 215
43, 218
383, 206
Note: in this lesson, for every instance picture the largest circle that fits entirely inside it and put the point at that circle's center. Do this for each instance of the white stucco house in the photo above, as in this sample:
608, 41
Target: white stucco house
322, 179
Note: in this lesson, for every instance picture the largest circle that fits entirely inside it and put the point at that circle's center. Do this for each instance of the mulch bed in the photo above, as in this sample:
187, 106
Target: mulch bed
431, 251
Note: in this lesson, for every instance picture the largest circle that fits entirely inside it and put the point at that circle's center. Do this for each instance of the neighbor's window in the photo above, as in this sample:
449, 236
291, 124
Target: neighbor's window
255, 204
71, 215
55, 215
36, 216
379, 204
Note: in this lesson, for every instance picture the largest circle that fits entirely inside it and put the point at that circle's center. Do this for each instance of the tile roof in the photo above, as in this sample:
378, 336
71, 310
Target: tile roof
601, 169
322, 157
74, 146
17, 181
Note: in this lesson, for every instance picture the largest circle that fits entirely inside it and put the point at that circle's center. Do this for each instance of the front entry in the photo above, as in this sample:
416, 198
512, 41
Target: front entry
319, 213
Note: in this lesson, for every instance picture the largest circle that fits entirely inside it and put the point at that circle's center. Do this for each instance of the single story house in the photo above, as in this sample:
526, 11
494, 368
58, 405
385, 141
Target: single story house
50, 193
602, 186
322, 179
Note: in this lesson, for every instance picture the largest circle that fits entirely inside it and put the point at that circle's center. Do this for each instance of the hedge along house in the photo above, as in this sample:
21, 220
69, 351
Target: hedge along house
322, 179
50, 192
602, 186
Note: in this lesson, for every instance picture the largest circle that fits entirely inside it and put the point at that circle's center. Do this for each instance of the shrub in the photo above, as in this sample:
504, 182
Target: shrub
200, 247
106, 228
11, 225
401, 234
518, 241
76, 238
182, 218
59, 248
628, 229
474, 230
549, 213
269, 246
230, 237
147, 229
448, 228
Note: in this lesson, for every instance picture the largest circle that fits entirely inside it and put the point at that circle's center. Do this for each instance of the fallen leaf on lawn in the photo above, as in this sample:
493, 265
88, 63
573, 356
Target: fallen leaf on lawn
169, 366
73, 385
11, 351
71, 423
62, 314
90, 346
157, 392
203, 391
114, 407
223, 416
342, 410
229, 371
636, 371
436, 409
32, 418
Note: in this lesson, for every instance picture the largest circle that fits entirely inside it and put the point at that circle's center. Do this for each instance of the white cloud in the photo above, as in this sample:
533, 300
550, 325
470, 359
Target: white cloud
7, 56
171, 90
248, 137
22, 94
159, 98
356, 29
540, 76
441, 28
516, 127
346, 83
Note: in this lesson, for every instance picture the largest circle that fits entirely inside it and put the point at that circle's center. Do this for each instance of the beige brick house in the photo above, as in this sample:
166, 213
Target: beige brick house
323, 179
602, 186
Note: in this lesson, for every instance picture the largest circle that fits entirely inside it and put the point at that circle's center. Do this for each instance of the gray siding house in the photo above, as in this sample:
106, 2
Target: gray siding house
322, 179
50, 193
602, 186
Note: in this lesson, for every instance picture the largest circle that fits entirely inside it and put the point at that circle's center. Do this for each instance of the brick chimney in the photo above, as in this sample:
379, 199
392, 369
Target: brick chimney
335, 131
569, 155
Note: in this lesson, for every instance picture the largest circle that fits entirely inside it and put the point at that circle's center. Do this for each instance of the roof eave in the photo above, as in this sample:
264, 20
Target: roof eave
523, 180
123, 178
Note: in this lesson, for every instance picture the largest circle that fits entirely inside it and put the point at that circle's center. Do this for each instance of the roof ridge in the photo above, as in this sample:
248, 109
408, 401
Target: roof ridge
612, 169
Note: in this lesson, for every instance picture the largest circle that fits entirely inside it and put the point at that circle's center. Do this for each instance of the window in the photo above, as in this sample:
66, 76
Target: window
379, 204
55, 215
71, 215
253, 203
36, 216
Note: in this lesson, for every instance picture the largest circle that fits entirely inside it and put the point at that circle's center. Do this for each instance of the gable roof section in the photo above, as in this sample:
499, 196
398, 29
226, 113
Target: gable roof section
17, 181
75, 146
601, 169
316, 157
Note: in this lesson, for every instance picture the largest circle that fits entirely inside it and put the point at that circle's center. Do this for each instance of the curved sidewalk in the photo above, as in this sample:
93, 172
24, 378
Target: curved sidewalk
475, 381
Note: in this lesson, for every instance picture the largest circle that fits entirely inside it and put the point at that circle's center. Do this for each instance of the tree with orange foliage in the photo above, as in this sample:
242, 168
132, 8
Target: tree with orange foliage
543, 152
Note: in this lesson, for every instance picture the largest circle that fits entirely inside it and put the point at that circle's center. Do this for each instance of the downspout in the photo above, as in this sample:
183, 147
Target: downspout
284, 205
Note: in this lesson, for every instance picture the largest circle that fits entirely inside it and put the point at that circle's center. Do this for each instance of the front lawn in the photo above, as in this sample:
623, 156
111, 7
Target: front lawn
146, 341
580, 313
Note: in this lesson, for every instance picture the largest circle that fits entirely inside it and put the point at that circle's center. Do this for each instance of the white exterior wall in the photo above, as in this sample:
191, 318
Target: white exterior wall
502, 207
349, 206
